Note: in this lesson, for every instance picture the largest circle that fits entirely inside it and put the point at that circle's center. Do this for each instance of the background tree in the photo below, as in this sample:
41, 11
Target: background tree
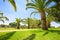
32, 22
13, 24
27, 21
35, 23
18, 21
50, 19
3, 18
38, 22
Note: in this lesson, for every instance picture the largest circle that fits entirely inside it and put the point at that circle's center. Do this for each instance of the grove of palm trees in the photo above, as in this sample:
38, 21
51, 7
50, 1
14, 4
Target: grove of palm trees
29, 19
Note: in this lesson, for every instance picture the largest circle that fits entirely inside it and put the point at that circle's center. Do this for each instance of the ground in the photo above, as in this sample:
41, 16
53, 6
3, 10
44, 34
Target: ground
30, 34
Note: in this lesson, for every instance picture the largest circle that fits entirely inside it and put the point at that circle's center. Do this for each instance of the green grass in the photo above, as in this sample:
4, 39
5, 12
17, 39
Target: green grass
7, 28
51, 34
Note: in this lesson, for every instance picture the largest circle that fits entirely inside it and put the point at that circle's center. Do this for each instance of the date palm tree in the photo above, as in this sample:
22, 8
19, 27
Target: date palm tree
18, 20
27, 21
53, 14
40, 6
49, 19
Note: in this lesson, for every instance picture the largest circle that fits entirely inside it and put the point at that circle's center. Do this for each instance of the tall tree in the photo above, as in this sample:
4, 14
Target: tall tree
40, 6
18, 20
27, 21
49, 19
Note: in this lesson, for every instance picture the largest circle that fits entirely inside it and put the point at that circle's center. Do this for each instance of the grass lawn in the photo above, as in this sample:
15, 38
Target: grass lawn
7, 28
51, 34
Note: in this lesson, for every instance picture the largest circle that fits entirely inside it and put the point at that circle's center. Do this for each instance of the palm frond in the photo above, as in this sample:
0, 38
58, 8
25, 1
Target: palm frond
2, 20
32, 1
30, 4
13, 4
3, 17
31, 7
56, 1
6, 18
27, 1
47, 3
34, 12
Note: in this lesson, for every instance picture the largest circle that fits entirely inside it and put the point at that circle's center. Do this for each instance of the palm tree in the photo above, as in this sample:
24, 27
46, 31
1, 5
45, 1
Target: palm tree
40, 6
18, 20
49, 19
12, 3
27, 21
53, 14
32, 23
3, 17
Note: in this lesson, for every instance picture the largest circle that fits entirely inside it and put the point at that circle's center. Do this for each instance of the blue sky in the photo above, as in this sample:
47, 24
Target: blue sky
8, 11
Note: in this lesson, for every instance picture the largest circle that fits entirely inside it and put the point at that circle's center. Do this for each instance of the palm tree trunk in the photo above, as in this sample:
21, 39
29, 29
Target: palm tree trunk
49, 25
28, 24
43, 20
18, 26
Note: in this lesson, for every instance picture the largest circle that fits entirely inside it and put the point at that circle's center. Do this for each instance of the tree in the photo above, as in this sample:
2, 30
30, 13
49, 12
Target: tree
18, 20
13, 24
53, 14
40, 6
27, 21
3, 17
38, 22
12, 3
35, 23
32, 22
49, 19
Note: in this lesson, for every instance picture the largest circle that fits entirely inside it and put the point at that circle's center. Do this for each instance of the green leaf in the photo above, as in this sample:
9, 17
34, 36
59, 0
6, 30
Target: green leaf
13, 4
34, 12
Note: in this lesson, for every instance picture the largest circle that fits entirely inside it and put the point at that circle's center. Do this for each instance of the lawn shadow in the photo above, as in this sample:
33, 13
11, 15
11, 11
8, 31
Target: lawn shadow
31, 37
55, 31
6, 36
45, 33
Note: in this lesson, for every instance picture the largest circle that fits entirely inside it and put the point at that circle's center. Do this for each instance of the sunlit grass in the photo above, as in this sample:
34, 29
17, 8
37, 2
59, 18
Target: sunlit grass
7, 28
51, 34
